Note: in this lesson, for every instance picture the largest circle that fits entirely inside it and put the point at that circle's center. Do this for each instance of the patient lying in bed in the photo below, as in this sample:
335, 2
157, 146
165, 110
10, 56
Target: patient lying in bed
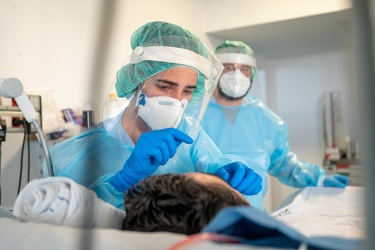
179, 203
184, 204
202, 203
174, 203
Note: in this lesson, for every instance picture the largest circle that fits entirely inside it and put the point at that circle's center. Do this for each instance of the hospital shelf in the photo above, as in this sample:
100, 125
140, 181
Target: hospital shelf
9, 111
352, 168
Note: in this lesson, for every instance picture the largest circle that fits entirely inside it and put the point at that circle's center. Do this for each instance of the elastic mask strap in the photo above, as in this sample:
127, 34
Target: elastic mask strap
173, 55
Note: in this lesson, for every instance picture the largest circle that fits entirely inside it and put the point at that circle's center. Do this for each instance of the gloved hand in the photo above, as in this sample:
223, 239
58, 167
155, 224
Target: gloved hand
152, 149
336, 180
241, 177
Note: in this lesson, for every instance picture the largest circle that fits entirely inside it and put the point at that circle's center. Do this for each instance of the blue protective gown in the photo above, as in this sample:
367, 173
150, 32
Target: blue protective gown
258, 135
94, 156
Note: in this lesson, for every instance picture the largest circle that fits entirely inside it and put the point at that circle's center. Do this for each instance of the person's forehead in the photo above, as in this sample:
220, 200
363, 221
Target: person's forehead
178, 71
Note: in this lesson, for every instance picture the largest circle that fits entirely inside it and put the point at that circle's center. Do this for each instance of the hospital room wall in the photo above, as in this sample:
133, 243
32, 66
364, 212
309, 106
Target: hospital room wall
295, 87
223, 14
49, 45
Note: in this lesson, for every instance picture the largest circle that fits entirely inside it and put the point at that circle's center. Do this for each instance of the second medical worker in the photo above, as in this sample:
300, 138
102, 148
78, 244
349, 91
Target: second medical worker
169, 68
241, 124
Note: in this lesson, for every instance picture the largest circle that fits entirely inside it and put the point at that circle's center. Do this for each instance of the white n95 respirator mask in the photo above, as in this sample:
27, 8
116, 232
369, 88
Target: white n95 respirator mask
234, 84
161, 112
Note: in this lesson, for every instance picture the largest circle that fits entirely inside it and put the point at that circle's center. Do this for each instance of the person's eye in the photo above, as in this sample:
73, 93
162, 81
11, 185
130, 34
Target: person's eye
228, 67
245, 68
188, 92
163, 87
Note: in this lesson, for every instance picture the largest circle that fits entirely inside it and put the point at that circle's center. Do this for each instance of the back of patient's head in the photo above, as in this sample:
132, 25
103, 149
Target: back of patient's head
175, 203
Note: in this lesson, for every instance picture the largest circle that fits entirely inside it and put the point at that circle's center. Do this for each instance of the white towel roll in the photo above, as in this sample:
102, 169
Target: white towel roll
62, 201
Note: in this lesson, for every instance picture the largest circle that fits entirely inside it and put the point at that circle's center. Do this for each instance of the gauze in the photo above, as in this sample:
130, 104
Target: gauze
161, 112
234, 84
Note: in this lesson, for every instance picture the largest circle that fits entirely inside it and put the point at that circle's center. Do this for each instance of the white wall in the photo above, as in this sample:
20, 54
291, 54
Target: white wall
223, 14
49, 45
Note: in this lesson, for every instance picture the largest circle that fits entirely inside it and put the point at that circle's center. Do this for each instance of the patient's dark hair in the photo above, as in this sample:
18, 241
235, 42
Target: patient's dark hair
175, 203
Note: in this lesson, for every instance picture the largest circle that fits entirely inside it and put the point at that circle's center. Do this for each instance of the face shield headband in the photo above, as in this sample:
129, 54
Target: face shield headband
174, 55
237, 58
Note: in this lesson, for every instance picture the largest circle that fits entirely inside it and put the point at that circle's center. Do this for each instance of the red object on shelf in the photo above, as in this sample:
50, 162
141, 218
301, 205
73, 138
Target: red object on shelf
343, 165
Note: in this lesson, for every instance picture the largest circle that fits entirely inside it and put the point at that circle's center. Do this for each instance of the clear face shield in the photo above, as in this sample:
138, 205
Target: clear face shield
257, 87
164, 82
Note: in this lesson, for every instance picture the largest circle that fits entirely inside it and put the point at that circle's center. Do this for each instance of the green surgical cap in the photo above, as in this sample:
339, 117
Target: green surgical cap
236, 47
130, 76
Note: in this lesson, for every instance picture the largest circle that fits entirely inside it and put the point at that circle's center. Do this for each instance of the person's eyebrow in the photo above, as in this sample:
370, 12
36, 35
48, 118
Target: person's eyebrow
174, 83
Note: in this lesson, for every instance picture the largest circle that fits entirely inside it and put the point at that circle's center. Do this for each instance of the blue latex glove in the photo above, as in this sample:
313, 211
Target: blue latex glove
241, 177
336, 180
152, 149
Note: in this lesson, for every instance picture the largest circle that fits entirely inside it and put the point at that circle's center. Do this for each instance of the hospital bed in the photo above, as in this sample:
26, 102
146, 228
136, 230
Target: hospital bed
311, 211
318, 211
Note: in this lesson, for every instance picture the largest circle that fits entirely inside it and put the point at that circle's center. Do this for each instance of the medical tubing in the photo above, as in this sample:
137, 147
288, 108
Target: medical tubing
45, 148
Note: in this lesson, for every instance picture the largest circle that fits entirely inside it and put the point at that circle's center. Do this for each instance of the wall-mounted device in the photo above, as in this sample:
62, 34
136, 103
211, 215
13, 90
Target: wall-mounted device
11, 113
13, 88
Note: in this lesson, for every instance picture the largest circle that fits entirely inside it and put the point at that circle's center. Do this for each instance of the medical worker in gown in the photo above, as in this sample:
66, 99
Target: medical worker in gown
169, 69
241, 124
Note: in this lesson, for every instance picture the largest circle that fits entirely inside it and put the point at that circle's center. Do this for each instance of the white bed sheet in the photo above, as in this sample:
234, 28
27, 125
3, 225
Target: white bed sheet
31, 235
321, 211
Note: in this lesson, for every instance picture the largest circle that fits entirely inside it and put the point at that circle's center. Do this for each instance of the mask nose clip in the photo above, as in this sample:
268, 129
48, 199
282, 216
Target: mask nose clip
182, 103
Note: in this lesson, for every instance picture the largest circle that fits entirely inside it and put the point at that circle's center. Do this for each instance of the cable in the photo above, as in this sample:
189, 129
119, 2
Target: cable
28, 129
0, 170
21, 166
3, 131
